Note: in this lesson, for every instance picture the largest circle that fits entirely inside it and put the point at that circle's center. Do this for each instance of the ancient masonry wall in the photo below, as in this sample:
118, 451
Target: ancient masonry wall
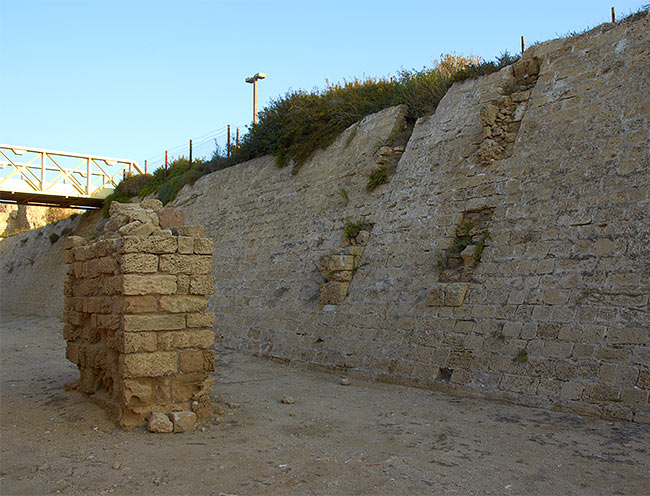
135, 321
509, 253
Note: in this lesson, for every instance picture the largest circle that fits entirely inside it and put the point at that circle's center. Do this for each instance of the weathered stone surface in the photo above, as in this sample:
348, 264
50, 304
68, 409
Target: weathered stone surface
160, 423
138, 262
156, 364
153, 322
133, 284
182, 303
186, 264
183, 421
170, 217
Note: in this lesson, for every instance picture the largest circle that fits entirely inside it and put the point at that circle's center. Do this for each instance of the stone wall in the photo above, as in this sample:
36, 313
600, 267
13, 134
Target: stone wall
135, 321
551, 154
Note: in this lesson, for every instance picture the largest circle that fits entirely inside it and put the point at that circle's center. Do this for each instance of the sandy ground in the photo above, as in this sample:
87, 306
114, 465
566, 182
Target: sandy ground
366, 438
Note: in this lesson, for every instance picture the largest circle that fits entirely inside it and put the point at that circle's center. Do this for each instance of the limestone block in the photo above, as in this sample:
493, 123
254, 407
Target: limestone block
156, 364
183, 303
197, 361
178, 340
160, 423
436, 297
202, 285
150, 244
170, 217
137, 228
153, 322
203, 407
601, 392
187, 387
134, 284
73, 242
151, 204
468, 256
111, 321
183, 283
203, 246
185, 245
193, 231
340, 275
183, 421
363, 237
138, 392
135, 304
333, 293
454, 293
186, 264
340, 262
138, 263
628, 335
138, 342
200, 320
72, 352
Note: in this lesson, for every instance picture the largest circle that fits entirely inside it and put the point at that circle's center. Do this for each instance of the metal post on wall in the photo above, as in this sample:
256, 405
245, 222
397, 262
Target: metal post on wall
523, 45
190, 153
613, 15
145, 166
165, 163
237, 141
228, 145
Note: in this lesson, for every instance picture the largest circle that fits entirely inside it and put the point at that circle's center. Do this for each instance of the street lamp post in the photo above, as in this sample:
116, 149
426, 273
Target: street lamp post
253, 81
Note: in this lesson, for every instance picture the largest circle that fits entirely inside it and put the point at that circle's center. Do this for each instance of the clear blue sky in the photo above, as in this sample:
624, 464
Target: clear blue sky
131, 78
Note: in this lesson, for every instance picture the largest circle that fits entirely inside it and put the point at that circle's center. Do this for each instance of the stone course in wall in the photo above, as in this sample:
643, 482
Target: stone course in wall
135, 321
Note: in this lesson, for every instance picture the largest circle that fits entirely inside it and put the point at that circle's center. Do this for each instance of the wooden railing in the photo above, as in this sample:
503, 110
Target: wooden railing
34, 175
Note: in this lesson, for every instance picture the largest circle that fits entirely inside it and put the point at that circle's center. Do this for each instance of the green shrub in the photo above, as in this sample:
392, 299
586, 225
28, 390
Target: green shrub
294, 126
377, 177
351, 228
133, 184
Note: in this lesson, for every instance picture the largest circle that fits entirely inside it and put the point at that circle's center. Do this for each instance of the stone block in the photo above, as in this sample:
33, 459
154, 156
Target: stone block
138, 263
202, 285
436, 297
137, 342
183, 421
135, 304
455, 294
136, 284
628, 335
72, 352
333, 293
340, 275
200, 320
186, 264
150, 244
197, 361
340, 262
170, 217
183, 303
160, 423
71, 242
193, 231
185, 245
153, 322
635, 397
187, 387
151, 204
203, 246
178, 340
137, 228
601, 392
156, 364
644, 379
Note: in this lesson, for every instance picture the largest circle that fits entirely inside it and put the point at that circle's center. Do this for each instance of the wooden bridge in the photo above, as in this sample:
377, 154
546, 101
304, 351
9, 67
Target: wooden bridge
51, 178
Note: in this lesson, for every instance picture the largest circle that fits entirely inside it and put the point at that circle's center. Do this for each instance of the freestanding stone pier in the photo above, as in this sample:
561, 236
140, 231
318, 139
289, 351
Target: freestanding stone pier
135, 321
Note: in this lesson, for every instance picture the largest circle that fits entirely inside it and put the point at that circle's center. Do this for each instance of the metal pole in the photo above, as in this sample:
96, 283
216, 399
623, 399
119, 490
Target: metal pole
228, 145
190, 153
613, 15
237, 142
88, 178
523, 45
255, 101
145, 166
165, 163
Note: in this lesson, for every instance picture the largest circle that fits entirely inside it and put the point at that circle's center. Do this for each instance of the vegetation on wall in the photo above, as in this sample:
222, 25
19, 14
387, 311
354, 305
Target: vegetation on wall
294, 126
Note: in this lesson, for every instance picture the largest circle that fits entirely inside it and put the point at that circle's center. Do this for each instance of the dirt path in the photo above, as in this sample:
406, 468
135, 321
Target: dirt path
366, 438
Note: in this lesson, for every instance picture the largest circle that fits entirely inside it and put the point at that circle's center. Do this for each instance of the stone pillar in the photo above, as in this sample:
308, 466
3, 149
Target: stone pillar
135, 321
